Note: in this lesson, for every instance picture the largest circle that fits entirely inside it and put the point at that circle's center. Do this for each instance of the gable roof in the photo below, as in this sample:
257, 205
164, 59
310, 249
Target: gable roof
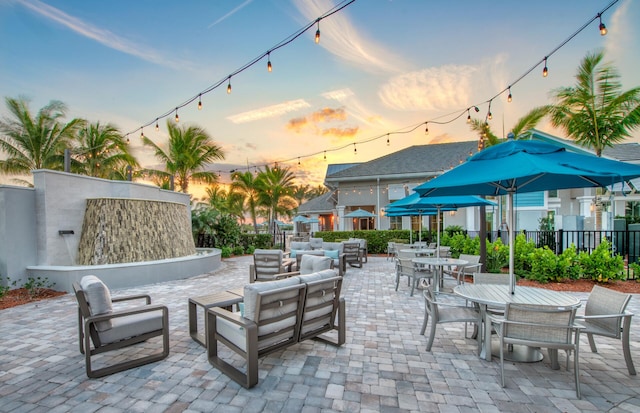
323, 203
415, 161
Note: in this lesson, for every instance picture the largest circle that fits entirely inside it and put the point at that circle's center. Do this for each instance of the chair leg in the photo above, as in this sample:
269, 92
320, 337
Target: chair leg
424, 323
432, 334
576, 370
625, 346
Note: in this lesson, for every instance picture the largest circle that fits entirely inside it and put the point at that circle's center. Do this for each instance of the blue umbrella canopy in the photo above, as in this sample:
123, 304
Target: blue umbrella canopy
526, 166
440, 203
300, 218
394, 211
360, 213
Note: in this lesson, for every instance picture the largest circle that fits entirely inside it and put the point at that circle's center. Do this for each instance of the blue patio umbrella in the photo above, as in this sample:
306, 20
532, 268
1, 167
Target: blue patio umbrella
300, 218
439, 203
391, 211
526, 166
360, 213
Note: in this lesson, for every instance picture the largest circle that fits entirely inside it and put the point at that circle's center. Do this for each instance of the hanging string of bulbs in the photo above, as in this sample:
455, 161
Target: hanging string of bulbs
450, 117
455, 115
227, 79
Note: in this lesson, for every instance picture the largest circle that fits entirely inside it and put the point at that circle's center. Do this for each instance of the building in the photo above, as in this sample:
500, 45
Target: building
372, 185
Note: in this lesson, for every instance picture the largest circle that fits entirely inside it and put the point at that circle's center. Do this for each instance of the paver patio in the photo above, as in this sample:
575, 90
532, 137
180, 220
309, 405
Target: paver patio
382, 367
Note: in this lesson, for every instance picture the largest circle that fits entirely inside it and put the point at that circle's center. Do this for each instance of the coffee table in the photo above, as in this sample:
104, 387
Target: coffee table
224, 299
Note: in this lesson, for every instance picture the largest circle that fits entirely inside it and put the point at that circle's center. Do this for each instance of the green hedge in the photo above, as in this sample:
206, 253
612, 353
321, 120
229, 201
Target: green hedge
377, 241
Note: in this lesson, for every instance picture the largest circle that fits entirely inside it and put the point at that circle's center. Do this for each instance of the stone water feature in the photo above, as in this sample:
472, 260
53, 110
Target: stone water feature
119, 230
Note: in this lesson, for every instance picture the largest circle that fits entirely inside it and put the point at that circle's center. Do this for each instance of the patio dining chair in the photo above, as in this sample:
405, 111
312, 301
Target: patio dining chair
405, 267
542, 326
605, 315
110, 329
452, 310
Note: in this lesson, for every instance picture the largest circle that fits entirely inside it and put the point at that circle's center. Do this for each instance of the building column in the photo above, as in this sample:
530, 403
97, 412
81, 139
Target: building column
585, 203
340, 221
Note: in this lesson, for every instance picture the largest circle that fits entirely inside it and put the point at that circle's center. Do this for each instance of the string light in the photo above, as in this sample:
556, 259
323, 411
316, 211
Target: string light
141, 135
157, 126
426, 128
269, 67
177, 117
200, 102
342, 6
325, 155
602, 27
128, 141
355, 150
388, 142
489, 115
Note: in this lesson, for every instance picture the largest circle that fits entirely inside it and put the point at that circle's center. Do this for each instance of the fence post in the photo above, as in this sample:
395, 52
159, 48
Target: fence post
560, 242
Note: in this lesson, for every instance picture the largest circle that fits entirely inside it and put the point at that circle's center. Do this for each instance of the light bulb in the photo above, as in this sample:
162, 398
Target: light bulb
355, 150
128, 141
229, 87
177, 117
468, 116
426, 129
318, 33
157, 126
545, 71
509, 98
325, 155
388, 140
602, 27
490, 116
200, 102
269, 68
477, 109
141, 134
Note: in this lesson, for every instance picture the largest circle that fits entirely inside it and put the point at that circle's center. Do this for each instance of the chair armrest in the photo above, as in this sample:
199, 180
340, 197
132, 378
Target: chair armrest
147, 297
603, 316
232, 317
284, 275
123, 313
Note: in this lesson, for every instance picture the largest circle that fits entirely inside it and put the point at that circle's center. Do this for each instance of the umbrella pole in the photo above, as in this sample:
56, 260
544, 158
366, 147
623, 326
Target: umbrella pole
420, 227
438, 232
512, 277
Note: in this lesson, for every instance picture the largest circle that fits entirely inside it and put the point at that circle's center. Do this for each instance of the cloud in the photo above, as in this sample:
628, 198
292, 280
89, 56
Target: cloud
102, 36
296, 125
269, 111
341, 133
231, 13
328, 114
429, 89
340, 37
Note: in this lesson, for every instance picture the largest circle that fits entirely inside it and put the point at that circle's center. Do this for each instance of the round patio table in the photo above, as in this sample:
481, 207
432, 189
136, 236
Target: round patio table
439, 263
497, 296
419, 252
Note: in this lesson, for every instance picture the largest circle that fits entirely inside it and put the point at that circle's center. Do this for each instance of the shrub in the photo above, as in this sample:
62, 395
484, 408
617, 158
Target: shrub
497, 256
452, 230
34, 286
522, 254
544, 266
601, 265
225, 252
569, 263
238, 250
5, 289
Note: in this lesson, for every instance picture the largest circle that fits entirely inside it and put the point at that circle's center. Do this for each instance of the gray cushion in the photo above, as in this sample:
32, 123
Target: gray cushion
314, 263
132, 325
333, 246
251, 293
299, 245
316, 243
99, 298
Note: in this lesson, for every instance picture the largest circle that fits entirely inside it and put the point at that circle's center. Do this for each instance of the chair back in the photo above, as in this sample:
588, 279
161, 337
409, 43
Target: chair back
352, 250
405, 267
276, 312
320, 305
444, 251
490, 278
391, 248
604, 301
432, 245
316, 243
267, 263
314, 263
539, 324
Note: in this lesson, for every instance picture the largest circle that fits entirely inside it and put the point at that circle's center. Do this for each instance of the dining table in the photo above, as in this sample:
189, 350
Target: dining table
496, 296
418, 252
439, 264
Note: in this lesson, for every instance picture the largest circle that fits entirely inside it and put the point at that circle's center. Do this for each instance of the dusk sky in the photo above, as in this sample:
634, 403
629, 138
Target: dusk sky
381, 66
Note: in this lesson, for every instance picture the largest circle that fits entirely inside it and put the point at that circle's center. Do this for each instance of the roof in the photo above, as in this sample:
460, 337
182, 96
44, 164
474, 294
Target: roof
418, 160
323, 203
338, 167
626, 152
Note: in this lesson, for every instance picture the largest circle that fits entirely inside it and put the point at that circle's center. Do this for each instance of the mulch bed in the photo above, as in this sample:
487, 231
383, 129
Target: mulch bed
21, 296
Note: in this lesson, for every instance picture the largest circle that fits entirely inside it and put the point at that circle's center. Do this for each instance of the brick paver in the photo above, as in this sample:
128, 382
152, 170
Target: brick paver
383, 366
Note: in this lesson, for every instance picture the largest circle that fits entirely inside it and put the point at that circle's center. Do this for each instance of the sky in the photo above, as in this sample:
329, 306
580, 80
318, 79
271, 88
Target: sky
381, 66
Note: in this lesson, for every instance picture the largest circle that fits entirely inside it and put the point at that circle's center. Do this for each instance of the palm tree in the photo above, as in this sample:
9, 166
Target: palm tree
596, 112
34, 142
102, 151
244, 184
190, 149
300, 193
274, 191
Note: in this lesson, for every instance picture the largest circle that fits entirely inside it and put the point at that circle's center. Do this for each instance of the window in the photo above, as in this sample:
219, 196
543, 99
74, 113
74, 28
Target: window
395, 222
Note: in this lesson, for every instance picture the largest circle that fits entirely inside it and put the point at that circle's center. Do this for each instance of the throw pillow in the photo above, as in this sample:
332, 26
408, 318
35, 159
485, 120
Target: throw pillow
332, 254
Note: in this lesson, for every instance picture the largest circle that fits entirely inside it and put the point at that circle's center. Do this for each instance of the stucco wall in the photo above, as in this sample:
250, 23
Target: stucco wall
60, 203
17, 231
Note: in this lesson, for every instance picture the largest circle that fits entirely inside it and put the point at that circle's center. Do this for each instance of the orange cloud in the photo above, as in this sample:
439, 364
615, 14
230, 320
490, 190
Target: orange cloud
328, 114
297, 124
341, 133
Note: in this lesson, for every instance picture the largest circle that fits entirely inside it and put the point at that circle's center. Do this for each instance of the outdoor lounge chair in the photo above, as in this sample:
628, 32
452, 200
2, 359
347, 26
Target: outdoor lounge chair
605, 315
113, 330
441, 311
542, 326
352, 254
267, 263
